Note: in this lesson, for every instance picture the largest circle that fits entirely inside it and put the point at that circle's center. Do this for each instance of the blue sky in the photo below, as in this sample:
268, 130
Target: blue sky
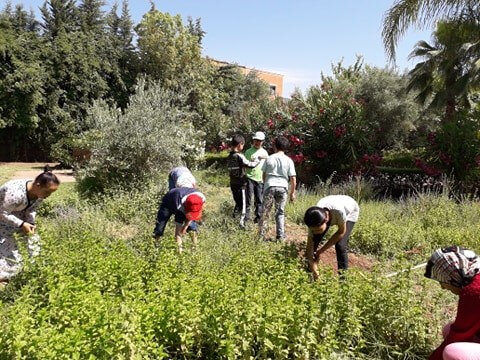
297, 38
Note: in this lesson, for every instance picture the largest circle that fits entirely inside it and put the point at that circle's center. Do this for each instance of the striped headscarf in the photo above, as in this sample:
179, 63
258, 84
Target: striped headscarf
453, 265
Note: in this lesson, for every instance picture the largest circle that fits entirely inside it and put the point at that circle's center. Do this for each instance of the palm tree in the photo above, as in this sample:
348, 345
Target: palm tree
422, 14
449, 71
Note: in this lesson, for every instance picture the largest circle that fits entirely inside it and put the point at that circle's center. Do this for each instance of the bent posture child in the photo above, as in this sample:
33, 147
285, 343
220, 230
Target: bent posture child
181, 176
237, 164
339, 210
187, 205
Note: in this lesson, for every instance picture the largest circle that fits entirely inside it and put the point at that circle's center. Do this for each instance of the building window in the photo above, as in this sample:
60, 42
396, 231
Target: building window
273, 90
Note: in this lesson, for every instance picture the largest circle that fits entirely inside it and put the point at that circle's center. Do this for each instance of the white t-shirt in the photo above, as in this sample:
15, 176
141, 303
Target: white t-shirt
278, 169
342, 208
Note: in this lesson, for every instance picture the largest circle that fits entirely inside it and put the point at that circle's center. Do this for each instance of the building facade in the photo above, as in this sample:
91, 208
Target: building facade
274, 80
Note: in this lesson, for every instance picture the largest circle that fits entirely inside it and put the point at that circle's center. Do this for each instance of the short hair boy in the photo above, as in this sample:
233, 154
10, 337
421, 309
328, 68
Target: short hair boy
278, 173
181, 176
255, 176
339, 210
237, 164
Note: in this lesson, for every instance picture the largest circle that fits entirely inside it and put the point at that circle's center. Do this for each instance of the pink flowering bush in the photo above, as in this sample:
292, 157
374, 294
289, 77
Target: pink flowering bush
326, 129
454, 149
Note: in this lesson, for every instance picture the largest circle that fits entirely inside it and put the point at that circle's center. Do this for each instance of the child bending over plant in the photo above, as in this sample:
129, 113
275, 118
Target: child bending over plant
339, 210
187, 205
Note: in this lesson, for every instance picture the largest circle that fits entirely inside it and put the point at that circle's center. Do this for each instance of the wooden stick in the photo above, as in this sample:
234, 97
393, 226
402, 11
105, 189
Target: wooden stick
413, 268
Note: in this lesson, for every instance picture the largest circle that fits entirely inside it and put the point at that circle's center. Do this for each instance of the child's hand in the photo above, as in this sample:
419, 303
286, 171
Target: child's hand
28, 229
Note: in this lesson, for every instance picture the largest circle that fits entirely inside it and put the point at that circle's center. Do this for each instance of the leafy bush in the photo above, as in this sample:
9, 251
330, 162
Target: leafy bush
153, 134
346, 122
461, 157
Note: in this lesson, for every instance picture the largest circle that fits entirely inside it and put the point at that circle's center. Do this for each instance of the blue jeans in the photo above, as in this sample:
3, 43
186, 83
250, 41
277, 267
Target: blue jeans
277, 195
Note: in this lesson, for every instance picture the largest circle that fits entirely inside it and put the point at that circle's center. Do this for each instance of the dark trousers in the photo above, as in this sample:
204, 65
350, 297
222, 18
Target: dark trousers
256, 189
164, 215
341, 248
239, 196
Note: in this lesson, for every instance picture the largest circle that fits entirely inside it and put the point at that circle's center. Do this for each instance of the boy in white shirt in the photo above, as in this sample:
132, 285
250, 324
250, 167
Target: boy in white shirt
278, 172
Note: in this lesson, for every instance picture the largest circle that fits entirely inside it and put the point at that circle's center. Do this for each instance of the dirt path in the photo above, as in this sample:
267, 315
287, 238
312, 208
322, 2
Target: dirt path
297, 236
33, 169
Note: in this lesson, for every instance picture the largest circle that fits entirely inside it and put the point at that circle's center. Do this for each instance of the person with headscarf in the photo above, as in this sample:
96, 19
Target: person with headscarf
457, 270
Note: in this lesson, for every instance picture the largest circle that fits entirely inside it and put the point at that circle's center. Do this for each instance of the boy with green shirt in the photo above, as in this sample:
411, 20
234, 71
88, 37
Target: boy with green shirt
255, 176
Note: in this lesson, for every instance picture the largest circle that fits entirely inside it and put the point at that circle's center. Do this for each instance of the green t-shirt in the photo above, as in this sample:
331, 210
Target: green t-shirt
252, 154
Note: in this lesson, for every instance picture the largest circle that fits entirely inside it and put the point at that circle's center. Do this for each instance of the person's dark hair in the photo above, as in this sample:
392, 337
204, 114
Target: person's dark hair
314, 216
281, 143
47, 177
237, 139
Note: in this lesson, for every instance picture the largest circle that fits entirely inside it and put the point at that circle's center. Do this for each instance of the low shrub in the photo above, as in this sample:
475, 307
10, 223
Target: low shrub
103, 289
154, 134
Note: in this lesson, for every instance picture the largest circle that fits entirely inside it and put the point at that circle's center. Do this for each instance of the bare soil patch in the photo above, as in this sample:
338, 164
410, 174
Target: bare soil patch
297, 237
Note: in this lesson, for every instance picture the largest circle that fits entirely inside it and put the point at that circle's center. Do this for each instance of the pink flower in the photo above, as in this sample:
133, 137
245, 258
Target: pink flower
321, 154
270, 124
296, 141
340, 131
298, 158
365, 158
321, 111
376, 159
445, 158
431, 138
430, 170
223, 146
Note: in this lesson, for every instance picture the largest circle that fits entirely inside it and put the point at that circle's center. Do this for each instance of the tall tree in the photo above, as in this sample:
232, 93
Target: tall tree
195, 28
58, 16
168, 50
122, 55
91, 15
447, 75
421, 13
21, 77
